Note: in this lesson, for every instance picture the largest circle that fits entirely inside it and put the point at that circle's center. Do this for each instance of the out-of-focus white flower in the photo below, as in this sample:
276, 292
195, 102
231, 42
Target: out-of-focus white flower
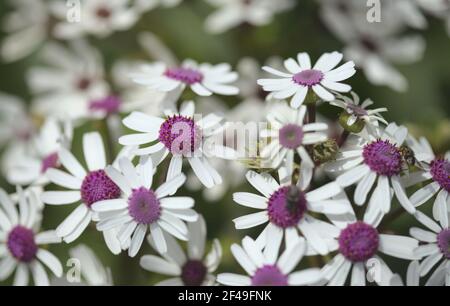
191, 269
414, 12
93, 271
85, 188
16, 124
287, 207
302, 77
100, 18
27, 29
142, 208
374, 46
142, 98
31, 166
146, 5
232, 13
72, 79
17, 130
377, 159
256, 102
435, 248
268, 268
21, 240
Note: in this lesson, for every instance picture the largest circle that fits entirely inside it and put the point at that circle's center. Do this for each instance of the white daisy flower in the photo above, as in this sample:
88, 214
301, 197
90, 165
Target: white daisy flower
434, 172
412, 276
142, 98
435, 248
232, 13
142, 208
30, 168
182, 137
289, 135
301, 78
203, 79
375, 47
17, 130
20, 242
74, 78
26, 27
359, 245
100, 18
266, 268
287, 207
191, 269
366, 160
85, 187
357, 112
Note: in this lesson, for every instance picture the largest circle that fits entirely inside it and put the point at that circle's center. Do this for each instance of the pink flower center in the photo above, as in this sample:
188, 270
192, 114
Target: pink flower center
359, 242
144, 206
287, 206
186, 75
97, 186
180, 135
383, 157
193, 273
269, 275
444, 242
440, 171
291, 136
109, 105
309, 77
21, 244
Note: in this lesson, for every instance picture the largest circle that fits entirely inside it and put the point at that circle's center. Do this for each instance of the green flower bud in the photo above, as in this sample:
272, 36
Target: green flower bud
355, 128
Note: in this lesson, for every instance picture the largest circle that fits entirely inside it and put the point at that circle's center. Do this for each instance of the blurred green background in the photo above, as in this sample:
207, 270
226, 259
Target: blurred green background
425, 107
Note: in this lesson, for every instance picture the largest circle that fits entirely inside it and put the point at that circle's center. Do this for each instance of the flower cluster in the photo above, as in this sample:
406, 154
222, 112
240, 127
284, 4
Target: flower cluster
151, 133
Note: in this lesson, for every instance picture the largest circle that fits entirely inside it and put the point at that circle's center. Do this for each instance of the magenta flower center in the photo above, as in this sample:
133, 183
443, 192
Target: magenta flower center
359, 242
291, 136
383, 157
144, 206
186, 75
97, 186
287, 206
109, 105
444, 242
180, 135
269, 275
440, 170
50, 161
309, 77
193, 273
21, 244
